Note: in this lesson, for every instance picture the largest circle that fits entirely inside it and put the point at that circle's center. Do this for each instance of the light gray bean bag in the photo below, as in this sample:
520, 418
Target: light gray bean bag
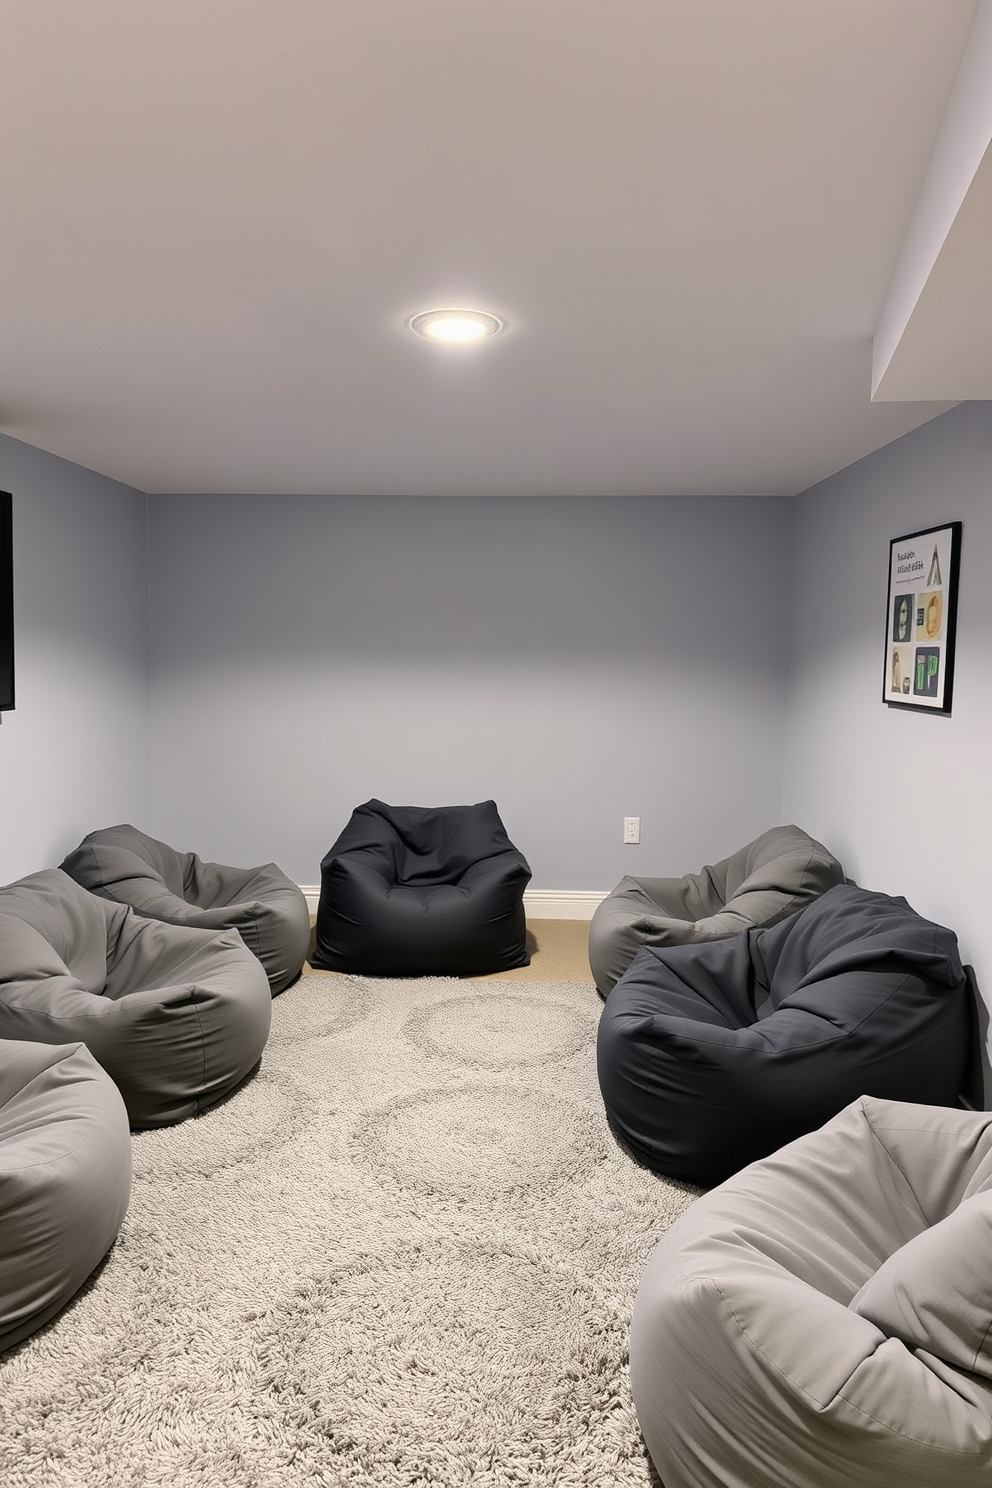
778, 873
65, 1178
824, 1318
177, 1016
262, 904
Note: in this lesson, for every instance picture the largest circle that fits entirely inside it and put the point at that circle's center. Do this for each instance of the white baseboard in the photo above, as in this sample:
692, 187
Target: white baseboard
562, 904
539, 904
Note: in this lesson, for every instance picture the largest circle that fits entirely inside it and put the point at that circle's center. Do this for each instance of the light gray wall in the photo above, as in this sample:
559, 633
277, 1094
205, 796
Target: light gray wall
904, 798
578, 660
74, 754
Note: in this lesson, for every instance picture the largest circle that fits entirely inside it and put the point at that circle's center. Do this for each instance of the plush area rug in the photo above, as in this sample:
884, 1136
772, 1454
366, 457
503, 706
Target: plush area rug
403, 1254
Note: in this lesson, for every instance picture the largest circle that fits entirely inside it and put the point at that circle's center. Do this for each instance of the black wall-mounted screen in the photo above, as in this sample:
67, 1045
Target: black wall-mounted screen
6, 602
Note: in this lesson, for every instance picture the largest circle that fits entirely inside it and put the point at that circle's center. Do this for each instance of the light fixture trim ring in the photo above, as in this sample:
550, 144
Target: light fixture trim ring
484, 325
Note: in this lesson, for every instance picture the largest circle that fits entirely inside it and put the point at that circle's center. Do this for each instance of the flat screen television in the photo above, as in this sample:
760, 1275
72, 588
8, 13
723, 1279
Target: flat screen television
6, 602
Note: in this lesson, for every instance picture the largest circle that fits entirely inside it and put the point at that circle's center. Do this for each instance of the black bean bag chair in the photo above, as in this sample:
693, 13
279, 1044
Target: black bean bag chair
711, 1056
422, 891
177, 1016
267, 909
65, 1178
777, 874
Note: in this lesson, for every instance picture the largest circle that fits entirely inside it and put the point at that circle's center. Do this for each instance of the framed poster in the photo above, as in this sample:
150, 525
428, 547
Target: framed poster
921, 612
6, 602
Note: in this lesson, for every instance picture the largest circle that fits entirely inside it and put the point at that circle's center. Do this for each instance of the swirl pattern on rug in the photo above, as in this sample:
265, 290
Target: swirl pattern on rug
498, 1031
481, 1139
402, 1255
268, 1111
319, 1007
438, 1353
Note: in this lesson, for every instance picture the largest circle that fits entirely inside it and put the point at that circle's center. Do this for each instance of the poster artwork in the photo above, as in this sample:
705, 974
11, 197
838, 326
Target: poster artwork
920, 618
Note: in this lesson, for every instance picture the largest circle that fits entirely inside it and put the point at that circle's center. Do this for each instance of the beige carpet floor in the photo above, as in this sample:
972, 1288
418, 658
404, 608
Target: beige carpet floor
559, 951
403, 1254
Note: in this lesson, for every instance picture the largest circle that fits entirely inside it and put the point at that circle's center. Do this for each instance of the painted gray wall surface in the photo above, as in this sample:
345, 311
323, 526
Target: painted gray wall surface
904, 798
578, 660
74, 754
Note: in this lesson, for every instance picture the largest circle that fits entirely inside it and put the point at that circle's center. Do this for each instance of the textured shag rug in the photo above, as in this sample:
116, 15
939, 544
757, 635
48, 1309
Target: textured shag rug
403, 1254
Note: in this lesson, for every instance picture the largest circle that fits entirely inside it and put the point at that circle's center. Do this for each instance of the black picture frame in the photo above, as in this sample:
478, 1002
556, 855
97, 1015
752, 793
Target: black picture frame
6, 601
921, 612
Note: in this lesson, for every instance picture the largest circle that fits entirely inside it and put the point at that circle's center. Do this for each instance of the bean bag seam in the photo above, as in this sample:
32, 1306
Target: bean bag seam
822, 1406
797, 896
91, 848
66, 1151
203, 1051
981, 1344
917, 1441
879, 1139
791, 1048
642, 1127
37, 1012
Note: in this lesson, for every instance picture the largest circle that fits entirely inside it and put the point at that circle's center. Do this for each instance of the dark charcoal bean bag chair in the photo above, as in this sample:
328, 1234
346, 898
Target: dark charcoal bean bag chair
422, 891
824, 1318
777, 874
711, 1056
65, 1178
176, 1016
267, 909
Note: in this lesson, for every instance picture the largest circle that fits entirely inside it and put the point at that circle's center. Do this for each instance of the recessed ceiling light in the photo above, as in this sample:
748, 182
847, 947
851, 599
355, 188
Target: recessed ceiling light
456, 327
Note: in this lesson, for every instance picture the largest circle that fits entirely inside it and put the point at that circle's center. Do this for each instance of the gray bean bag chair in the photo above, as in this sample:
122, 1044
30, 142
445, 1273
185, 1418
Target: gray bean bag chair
824, 1318
267, 909
176, 1016
713, 1055
65, 1178
779, 872
422, 891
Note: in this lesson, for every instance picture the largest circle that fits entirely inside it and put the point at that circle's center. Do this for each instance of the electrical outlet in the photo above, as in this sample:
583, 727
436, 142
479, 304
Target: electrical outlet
632, 829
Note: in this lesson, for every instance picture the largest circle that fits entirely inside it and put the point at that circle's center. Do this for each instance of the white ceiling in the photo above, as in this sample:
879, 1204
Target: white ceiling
219, 214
